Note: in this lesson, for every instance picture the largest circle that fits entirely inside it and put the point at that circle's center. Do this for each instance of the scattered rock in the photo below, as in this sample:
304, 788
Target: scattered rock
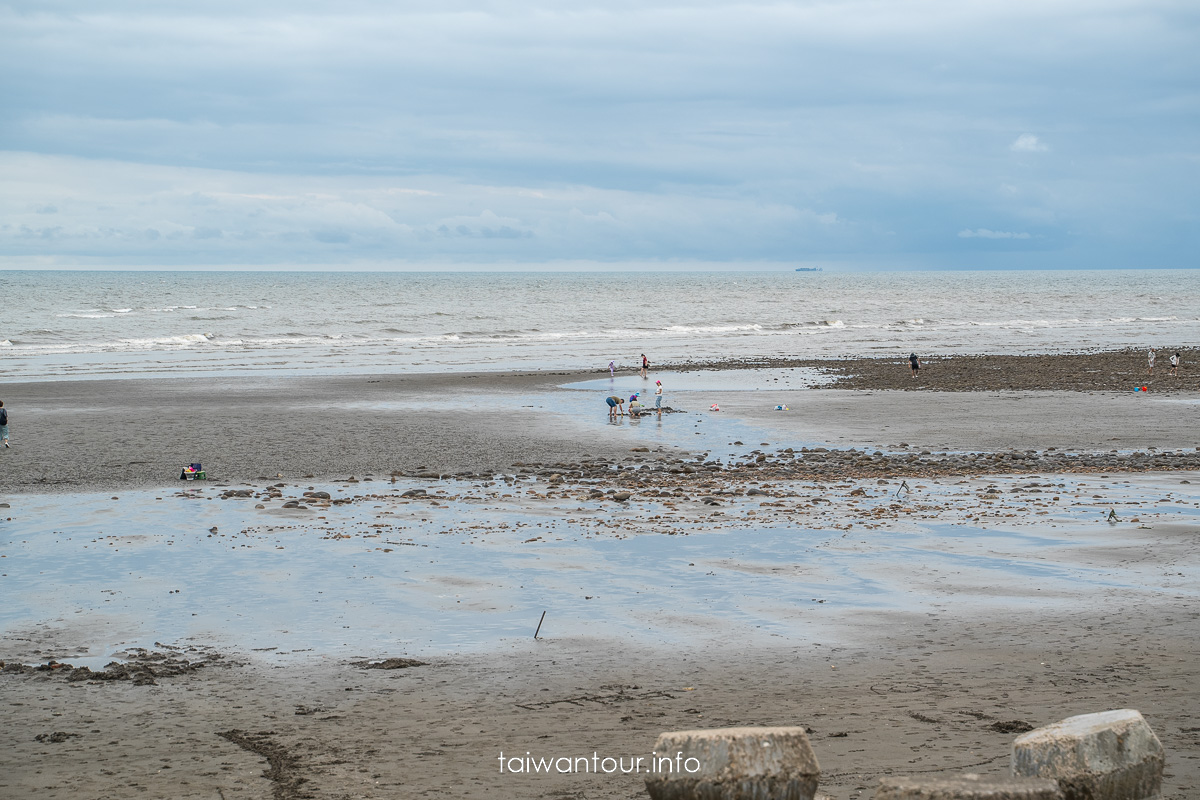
143, 668
1013, 726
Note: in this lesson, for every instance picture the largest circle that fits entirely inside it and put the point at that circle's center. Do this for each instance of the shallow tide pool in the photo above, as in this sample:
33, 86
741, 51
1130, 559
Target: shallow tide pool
88, 575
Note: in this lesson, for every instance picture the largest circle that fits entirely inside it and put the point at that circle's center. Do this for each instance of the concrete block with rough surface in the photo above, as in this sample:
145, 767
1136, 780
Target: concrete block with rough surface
734, 764
967, 787
1112, 755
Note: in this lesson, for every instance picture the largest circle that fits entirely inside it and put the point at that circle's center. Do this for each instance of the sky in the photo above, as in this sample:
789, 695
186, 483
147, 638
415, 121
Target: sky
893, 134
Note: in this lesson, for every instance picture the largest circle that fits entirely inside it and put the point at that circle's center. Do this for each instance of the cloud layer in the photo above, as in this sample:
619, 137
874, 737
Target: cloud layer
860, 132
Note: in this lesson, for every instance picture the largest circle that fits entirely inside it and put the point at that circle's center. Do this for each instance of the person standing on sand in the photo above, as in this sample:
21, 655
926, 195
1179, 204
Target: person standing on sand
915, 363
1150, 360
3, 424
1175, 364
658, 398
616, 405
645, 365
612, 369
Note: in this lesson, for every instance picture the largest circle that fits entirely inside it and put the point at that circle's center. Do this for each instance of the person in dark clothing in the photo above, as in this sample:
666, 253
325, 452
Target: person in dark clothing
915, 363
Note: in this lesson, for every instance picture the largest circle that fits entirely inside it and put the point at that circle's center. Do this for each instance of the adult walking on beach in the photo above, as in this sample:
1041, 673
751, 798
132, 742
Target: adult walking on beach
658, 398
616, 405
645, 366
3, 424
1175, 364
1150, 360
915, 363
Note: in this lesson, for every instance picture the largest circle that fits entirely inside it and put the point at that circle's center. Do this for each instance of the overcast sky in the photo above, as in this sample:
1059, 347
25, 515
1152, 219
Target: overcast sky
935, 133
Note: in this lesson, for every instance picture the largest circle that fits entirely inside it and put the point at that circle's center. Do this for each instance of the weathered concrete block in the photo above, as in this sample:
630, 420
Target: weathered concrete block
1112, 755
734, 764
967, 787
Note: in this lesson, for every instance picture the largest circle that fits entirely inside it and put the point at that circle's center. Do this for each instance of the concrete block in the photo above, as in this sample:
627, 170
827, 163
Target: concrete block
1112, 755
734, 764
967, 787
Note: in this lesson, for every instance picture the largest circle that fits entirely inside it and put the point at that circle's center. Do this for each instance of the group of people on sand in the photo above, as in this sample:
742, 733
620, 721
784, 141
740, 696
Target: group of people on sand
616, 404
1150, 356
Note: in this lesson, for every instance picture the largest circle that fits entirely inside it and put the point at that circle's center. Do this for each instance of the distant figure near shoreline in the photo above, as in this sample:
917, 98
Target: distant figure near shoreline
915, 363
1150, 361
3, 424
1175, 364
645, 365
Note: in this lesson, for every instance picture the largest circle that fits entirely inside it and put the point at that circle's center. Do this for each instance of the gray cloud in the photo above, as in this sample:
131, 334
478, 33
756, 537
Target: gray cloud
618, 130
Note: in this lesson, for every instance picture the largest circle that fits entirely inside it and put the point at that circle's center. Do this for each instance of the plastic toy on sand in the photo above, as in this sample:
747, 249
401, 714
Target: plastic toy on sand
714, 407
782, 408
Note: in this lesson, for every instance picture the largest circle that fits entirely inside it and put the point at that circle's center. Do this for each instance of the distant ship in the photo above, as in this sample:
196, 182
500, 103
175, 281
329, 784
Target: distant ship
808, 269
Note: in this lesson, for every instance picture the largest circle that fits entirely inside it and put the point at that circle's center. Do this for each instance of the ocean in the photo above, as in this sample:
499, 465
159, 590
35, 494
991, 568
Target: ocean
84, 324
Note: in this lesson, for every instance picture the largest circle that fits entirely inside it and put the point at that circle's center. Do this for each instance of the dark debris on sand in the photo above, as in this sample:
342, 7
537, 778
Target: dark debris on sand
668, 473
143, 668
1117, 371
283, 768
389, 663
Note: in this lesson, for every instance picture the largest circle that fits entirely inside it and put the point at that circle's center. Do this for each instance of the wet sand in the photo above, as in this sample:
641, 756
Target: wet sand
942, 686
932, 694
121, 433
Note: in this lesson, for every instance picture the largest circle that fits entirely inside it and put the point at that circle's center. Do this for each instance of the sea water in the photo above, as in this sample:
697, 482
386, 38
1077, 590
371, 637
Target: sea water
63, 324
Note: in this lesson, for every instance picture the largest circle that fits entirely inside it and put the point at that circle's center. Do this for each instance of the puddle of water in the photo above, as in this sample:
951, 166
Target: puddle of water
732, 380
387, 576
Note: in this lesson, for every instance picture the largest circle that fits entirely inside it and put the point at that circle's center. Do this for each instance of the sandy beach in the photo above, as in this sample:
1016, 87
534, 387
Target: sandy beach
138, 432
915, 571
407, 401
